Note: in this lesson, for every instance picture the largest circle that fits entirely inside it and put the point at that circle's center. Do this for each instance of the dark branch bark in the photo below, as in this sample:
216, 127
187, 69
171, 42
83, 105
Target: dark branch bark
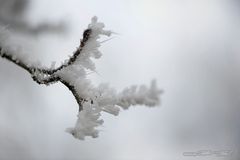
79, 99
49, 74
72, 59
14, 60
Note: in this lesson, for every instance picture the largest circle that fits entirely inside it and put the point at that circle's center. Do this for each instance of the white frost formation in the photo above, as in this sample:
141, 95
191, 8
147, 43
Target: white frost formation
101, 98
96, 99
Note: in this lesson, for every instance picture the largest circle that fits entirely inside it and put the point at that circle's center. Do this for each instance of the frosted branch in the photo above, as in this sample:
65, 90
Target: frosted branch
92, 101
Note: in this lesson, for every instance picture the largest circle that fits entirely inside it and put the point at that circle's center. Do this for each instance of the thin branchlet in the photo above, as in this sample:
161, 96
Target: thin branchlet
72, 59
48, 76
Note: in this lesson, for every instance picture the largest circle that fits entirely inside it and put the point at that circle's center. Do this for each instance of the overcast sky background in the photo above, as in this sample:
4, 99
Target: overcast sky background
191, 47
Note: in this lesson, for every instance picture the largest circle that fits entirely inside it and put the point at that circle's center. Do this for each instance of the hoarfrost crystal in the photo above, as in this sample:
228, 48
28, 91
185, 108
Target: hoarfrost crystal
72, 73
103, 98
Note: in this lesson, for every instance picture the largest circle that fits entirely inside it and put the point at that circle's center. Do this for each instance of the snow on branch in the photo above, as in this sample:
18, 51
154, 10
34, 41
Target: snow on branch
92, 100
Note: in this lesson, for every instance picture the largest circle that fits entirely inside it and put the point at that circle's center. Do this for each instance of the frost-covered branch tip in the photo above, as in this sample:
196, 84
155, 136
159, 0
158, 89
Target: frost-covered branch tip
92, 100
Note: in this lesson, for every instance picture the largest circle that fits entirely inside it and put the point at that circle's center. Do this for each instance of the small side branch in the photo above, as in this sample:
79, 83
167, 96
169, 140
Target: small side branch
72, 59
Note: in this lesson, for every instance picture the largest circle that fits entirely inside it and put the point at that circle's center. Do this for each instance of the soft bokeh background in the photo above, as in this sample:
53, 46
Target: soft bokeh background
190, 46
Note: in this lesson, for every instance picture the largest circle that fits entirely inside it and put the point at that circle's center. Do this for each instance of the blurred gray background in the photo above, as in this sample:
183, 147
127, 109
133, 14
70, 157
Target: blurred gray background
190, 46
